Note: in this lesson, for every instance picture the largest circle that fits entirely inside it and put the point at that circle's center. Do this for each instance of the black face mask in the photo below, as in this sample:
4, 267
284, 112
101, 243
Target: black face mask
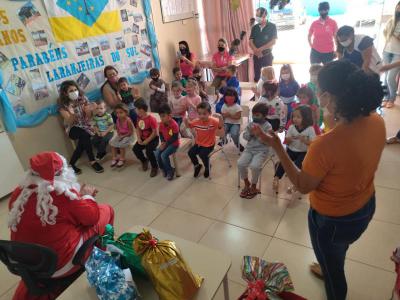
221, 49
183, 51
397, 14
155, 78
323, 15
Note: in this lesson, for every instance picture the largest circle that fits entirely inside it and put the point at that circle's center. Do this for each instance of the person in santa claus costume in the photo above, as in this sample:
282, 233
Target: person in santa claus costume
52, 209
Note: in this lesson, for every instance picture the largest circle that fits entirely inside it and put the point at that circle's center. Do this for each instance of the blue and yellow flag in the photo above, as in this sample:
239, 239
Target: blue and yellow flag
78, 19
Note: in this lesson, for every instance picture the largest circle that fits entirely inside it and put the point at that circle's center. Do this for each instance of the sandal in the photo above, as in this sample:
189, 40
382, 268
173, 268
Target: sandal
389, 105
244, 192
120, 164
393, 140
315, 269
251, 194
114, 162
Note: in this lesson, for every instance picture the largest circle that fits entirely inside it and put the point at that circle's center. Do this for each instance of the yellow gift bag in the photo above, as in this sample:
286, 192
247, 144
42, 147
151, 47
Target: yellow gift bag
171, 276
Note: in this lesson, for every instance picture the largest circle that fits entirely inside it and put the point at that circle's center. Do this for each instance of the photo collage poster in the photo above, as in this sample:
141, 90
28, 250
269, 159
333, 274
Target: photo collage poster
43, 43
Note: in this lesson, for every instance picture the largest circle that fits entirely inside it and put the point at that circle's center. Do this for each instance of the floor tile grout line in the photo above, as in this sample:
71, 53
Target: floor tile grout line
371, 266
386, 187
386, 222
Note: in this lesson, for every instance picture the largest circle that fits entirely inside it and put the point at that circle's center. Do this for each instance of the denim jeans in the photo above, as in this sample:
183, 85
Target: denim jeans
234, 131
163, 158
390, 76
330, 238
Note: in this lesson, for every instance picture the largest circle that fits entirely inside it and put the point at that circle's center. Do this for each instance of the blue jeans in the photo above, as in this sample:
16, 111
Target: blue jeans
330, 238
390, 76
163, 158
234, 131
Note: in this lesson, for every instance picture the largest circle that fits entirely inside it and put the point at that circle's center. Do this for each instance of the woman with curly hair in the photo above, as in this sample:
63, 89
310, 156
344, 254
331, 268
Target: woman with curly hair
339, 168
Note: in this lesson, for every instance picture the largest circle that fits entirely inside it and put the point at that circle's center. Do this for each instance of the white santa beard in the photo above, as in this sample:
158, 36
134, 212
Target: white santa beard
45, 209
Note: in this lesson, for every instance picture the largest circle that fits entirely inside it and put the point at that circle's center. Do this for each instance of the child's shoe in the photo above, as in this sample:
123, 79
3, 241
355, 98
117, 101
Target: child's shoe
114, 162
120, 163
97, 167
275, 185
77, 171
171, 175
197, 170
206, 173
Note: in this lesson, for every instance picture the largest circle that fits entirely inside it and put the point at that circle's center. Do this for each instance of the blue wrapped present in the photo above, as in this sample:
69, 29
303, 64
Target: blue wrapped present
108, 278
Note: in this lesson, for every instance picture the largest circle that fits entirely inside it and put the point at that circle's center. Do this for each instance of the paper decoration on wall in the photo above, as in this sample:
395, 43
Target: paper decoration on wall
43, 43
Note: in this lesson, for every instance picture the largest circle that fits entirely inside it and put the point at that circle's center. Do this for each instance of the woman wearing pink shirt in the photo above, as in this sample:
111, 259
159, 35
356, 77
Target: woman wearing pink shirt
186, 60
220, 61
321, 36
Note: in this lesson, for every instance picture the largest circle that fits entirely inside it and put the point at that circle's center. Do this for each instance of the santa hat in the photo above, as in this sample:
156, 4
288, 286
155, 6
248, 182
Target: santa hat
49, 172
46, 165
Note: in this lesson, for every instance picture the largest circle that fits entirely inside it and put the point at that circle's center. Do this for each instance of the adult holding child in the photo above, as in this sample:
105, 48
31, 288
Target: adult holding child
77, 112
342, 205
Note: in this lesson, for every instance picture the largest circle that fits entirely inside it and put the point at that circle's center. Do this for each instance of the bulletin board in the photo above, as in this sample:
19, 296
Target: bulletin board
45, 42
175, 10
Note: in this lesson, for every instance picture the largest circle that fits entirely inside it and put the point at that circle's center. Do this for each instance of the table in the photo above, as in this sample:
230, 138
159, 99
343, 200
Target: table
211, 264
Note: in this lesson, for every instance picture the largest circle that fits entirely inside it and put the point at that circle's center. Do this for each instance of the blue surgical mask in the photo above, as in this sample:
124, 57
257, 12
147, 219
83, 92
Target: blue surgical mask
258, 120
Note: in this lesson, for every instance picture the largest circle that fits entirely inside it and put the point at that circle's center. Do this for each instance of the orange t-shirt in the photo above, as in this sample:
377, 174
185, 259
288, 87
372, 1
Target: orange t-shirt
205, 131
346, 159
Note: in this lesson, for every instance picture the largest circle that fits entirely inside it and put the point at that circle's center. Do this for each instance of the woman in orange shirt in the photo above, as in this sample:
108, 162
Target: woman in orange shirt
339, 168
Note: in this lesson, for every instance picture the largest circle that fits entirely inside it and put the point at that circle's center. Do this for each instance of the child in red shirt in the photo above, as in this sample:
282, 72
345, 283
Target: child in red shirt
147, 138
206, 130
169, 135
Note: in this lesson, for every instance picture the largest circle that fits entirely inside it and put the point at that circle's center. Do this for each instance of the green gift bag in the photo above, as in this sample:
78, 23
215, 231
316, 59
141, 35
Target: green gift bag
124, 245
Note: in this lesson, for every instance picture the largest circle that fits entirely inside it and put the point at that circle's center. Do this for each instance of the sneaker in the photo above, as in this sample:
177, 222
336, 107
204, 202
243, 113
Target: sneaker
197, 170
120, 164
145, 165
100, 156
241, 148
77, 171
206, 173
97, 167
171, 175
114, 162
154, 172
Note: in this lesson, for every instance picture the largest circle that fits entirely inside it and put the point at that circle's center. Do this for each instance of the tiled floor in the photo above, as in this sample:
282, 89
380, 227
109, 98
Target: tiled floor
273, 227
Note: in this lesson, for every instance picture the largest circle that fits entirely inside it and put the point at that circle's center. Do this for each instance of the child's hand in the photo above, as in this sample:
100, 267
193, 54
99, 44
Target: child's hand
163, 146
255, 130
153, 87
119, 97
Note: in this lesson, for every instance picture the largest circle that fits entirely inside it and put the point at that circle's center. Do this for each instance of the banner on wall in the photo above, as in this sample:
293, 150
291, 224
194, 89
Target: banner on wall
44, 42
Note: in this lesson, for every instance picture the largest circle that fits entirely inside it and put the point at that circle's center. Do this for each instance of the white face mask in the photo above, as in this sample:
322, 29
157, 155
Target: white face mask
73, 95
346, 43
259, 19
285, 76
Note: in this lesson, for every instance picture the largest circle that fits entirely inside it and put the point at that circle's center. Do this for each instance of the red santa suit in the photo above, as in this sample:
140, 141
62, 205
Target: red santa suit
48, 209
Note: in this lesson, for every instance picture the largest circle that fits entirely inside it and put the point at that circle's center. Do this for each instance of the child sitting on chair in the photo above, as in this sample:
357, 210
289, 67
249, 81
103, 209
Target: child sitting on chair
255, 152
123, 138
197, 74
179, 78
128, 94
159, 90
205, 128
169, 136
103, 125
177, 103
232, 113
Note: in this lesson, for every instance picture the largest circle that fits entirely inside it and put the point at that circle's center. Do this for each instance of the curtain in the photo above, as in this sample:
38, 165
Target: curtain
222, 21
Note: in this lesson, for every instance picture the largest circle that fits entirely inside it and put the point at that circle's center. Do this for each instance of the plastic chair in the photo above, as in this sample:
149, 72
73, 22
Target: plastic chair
36, 264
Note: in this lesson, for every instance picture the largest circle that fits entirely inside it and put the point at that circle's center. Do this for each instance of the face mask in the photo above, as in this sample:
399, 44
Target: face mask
73, 95
155, 78
285, 76
323, 14
113, 79
221, 49
183, 51
258, 120
346, 43
258, 19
